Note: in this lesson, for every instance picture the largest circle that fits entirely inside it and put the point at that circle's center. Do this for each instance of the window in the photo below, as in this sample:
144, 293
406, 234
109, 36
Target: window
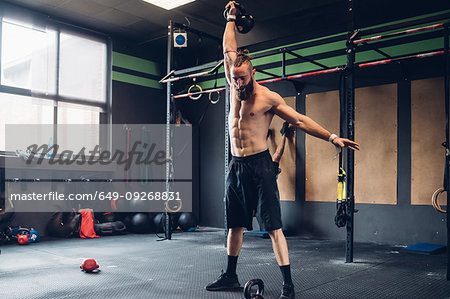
51, 73
82, 67
23, 110
28, 56
72, 114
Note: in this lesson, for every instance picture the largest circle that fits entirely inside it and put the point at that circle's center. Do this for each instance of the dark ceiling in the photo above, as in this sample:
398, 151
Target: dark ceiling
282, 20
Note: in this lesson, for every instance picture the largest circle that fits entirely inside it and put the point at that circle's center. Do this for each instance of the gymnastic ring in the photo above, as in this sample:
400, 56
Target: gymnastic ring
217, 100
195, 98
176, 210
434, 200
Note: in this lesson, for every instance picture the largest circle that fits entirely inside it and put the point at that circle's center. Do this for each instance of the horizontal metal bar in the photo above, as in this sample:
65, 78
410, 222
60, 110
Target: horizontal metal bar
398, 26
270, 80
386, 61
333, 70
399, 33
195, 68
166, 80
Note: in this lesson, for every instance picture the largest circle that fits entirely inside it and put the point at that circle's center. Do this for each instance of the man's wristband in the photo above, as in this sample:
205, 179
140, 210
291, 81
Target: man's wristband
226, 51
231, 18
332, 137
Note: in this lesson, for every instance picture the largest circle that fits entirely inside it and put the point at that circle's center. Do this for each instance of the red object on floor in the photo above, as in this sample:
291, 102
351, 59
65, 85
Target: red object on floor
22, 239
89, 265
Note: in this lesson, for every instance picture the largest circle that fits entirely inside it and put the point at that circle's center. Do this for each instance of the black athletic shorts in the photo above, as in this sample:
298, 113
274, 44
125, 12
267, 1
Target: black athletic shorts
251, 190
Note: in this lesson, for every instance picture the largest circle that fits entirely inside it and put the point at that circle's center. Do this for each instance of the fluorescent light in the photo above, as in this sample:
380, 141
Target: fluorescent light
168, 4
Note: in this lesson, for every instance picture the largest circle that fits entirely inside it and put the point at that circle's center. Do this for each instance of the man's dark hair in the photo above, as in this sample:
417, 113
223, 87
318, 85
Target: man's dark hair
243, 57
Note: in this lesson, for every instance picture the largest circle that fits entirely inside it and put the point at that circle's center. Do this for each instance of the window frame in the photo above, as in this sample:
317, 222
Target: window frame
59, 26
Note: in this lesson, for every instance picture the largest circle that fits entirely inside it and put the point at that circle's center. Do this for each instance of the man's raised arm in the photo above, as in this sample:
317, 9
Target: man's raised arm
229, 41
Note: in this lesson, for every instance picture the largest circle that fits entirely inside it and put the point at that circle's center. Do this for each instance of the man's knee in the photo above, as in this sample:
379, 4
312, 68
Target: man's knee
276, 234
235, 230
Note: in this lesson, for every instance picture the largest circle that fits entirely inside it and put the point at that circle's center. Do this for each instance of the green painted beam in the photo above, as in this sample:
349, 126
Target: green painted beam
135, 64
428, 45
127, 78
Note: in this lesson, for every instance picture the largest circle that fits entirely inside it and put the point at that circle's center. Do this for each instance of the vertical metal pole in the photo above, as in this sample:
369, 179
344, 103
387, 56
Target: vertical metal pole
1, 30
109, 95
447, 138
2, 171
227, 155
350, 106
167, 224
283, 64
56, 102
342, 108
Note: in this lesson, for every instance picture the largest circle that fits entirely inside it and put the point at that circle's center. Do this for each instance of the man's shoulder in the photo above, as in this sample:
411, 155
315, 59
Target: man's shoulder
268, 94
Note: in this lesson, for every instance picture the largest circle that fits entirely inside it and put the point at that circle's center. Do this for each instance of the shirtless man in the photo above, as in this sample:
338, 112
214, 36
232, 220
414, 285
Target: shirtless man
251, 182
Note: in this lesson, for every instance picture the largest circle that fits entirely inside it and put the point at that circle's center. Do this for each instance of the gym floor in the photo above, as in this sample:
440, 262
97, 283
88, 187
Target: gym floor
137, 266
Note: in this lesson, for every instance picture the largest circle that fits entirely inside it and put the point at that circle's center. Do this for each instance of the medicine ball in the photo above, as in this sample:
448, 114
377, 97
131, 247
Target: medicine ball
158, 222
187, 222
141, 223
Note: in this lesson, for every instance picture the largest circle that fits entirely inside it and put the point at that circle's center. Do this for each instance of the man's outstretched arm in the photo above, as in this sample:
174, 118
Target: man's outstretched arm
306, 124
229, 41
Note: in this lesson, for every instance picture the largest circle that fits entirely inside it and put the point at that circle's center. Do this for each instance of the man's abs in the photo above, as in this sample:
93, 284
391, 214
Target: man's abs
247, 137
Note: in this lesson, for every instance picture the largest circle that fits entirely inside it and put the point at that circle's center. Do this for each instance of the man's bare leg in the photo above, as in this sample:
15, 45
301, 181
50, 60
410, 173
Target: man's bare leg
234, 240
280, 249
229, 279
234, 244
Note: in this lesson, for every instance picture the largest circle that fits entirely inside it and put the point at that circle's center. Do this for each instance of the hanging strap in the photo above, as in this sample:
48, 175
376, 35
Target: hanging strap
341, 203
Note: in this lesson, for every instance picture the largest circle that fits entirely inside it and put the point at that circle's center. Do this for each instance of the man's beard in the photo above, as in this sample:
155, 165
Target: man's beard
245, 94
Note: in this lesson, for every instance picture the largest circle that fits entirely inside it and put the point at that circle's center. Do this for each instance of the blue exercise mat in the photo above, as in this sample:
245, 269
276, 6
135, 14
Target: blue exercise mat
424, 248
255, 233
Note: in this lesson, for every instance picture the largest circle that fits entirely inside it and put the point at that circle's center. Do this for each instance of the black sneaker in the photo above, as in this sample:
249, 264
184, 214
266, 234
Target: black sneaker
224, 282
287, 292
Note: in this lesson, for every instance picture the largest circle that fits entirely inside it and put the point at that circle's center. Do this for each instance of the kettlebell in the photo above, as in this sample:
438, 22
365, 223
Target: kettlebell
23, 235
248, 288
22, 239
244, 21
89, 265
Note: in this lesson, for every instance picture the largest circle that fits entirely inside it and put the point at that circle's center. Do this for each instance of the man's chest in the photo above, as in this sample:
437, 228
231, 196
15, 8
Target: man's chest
250, 109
